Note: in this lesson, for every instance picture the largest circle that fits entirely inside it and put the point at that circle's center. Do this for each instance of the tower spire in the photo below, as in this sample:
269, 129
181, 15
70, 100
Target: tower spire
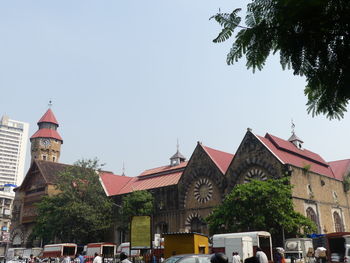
294, 138
177, 158
123, 173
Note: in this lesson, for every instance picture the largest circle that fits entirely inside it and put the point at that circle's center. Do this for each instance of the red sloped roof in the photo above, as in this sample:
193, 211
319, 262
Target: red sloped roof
164, 169
340, 168
47, 133
113, 183
139, 183
221, 159
289, 154
48, 117
118, 185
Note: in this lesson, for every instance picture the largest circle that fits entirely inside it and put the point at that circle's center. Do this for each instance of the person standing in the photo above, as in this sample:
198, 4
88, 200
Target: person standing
82, 259
97, 258
261, 256
124, 258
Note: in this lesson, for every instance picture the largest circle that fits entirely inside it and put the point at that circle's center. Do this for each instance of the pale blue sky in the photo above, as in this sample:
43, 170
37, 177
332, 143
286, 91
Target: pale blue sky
130, 77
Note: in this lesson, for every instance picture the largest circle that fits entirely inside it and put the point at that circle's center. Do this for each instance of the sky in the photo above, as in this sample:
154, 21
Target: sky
130, 78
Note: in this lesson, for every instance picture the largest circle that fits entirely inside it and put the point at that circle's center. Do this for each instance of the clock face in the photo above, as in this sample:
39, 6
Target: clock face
203, 190
45, 142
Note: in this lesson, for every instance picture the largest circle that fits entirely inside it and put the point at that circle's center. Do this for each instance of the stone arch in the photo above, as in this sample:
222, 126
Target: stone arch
195, 223
17, 237
253, 167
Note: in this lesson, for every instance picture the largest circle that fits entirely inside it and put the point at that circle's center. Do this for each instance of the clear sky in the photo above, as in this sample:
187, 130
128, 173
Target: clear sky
127, 78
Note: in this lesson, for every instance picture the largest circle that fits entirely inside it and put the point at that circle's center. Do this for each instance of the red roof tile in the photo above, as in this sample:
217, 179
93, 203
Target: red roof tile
113, 183
47, 133
288, 146
340, 168
118, 185
289, 154
164, 169
221, 159
48, 117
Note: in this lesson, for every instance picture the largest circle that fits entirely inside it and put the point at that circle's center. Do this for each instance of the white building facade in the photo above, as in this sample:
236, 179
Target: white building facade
13, 147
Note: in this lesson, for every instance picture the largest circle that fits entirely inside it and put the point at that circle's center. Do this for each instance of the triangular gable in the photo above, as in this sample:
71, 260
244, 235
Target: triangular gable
221, 159
32, 171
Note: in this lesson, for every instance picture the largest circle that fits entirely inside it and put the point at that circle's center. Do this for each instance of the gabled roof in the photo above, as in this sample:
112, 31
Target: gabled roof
164, 169
221, 159
288, 153
113, 183
48, 170
340, 168
47, 133
158, 177
48, 117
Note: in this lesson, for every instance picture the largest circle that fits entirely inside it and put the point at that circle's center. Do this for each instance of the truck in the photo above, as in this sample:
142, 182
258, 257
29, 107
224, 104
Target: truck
260, 239
60, 250
242, 245
298, 249
35, 251
338, 247
107, 250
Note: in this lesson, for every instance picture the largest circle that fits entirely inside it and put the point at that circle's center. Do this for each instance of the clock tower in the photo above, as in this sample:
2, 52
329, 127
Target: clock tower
46, 142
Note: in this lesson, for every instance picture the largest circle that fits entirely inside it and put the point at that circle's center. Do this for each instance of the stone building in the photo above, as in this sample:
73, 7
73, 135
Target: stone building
318, 191
186, 192
39, 180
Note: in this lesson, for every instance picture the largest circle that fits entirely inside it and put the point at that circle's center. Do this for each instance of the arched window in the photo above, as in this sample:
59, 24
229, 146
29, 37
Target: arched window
196, 225
338, 224
311, 214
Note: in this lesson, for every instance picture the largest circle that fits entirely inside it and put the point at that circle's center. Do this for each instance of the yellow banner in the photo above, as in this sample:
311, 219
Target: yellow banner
141, 232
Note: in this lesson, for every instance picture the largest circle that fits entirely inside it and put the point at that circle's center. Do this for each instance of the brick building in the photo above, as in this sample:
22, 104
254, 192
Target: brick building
186, 192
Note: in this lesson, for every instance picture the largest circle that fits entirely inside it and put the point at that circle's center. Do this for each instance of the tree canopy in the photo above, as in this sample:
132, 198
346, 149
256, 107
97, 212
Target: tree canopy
260, 206
137, 203
80, 212
312, 38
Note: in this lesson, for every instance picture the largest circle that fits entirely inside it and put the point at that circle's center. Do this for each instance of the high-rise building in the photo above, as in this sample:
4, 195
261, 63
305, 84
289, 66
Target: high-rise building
13, 146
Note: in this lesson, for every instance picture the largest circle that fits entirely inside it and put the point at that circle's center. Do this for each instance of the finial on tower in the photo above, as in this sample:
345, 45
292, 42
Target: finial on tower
293, 126
123, 173
295, 139
50, 103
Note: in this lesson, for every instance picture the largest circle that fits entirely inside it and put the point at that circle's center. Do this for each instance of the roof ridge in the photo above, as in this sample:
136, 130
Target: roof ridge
213, 159
304, 156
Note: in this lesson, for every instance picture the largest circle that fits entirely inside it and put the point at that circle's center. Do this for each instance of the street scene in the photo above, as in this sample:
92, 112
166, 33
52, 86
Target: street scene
174, 131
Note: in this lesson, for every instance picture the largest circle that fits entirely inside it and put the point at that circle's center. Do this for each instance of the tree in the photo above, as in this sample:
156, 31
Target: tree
260, 205
312, 38
138, 203
80, 212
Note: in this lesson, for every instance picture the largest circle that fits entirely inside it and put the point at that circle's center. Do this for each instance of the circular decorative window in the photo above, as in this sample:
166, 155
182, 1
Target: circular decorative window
255, 174
203, 190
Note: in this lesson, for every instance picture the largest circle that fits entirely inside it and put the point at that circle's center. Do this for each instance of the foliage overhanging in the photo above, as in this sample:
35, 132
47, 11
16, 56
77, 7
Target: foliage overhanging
312, 38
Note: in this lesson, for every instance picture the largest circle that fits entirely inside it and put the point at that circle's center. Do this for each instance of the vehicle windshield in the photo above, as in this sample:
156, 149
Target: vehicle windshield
294, 255
173, 259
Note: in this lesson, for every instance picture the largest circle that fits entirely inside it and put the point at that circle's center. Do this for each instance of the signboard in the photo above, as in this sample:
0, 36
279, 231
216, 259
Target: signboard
140, 232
